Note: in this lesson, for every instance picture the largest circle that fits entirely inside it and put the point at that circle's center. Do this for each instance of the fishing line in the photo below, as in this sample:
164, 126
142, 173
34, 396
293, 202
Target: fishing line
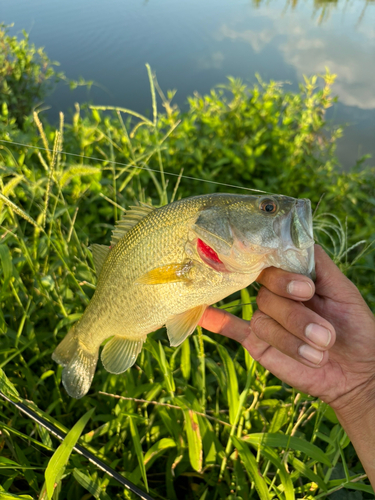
79, 449
136, 166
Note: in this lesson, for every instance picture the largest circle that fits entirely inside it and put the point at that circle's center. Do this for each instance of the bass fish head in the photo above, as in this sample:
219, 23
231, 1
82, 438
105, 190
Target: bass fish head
245, 234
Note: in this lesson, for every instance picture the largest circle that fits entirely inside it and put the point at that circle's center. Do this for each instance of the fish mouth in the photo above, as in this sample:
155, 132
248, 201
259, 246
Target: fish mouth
301, 262
311, 273
210, 257
295, 231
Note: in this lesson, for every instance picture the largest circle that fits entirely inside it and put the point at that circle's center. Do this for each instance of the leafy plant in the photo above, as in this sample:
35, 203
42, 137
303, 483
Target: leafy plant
26, 74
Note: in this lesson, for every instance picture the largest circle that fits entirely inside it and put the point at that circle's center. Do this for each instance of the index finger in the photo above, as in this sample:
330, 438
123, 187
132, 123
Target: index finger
219, 321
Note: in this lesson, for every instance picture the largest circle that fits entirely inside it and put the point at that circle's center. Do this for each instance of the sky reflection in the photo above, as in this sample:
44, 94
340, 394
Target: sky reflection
194, 45
310, 45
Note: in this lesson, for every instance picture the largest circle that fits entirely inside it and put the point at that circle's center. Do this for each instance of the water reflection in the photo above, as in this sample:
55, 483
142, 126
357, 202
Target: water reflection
194, 45
323, 8
310, 47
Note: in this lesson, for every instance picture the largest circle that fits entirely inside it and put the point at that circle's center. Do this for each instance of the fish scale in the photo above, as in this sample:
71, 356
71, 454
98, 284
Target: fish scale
155, 273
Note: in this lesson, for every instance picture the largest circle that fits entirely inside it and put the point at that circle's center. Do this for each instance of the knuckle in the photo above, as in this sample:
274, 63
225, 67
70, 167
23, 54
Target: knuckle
256, 355
256, 321
223, 322
263, 297
291, 317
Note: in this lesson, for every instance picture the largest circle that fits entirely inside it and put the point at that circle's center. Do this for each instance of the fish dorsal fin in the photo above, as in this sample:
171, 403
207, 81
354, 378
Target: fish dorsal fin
119, 353
182, 325
99, 255
129, 219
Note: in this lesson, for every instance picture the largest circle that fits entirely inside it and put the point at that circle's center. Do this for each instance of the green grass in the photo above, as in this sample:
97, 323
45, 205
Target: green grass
203, 420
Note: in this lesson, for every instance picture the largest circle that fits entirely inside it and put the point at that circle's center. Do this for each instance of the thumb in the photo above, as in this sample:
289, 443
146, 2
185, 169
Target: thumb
330, 281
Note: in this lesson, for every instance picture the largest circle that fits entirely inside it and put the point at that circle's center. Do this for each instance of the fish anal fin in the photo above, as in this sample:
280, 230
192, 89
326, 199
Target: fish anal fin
120, 353
171, 273
129, 219
182, 325
99, 255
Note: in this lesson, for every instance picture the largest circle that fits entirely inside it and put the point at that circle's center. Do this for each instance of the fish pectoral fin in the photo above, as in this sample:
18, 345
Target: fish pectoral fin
182, 325
171, 273
99, 255
119, 353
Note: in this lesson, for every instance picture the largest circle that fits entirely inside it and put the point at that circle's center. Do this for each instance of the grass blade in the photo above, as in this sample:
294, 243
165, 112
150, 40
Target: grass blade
138, 450
185, 359
6, 265
232, 383
90, 485
252, 468
283, 441
194, 439
280, 418
157, 449
247, 314
59, 459
24, 437
124, 110
5, 495
360, 487
158, 353
271, 455
247, 308
164, 365
6, 386
153, 95
307, 472
18, 210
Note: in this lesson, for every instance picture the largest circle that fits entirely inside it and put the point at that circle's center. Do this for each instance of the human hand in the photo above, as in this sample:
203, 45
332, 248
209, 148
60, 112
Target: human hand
322, 344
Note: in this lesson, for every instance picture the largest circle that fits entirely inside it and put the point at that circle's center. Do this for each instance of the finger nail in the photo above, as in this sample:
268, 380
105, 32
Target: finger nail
310, 354
318, 334
301, 289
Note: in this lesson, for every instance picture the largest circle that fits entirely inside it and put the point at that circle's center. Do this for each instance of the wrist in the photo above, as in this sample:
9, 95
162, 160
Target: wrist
356, 405
356, 413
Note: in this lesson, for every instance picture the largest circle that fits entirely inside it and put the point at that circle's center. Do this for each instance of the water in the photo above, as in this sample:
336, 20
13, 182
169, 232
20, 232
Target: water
194, 45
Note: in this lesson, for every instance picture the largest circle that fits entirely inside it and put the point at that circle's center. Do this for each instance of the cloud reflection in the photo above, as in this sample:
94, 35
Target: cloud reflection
211, 61
346, 50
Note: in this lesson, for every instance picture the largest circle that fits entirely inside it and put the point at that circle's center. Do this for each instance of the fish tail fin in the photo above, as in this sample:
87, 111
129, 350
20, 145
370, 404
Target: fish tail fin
79, 365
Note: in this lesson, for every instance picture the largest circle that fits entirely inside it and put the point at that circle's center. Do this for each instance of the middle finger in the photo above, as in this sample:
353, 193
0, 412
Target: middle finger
297, 319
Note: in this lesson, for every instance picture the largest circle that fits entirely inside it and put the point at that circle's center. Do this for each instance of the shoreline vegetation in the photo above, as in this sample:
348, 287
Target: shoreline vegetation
201, 421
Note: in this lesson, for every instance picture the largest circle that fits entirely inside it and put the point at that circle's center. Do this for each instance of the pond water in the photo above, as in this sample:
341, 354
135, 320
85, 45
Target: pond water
193, 45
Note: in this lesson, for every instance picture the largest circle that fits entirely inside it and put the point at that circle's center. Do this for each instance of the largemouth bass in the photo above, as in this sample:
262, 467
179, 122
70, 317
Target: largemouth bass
165, 266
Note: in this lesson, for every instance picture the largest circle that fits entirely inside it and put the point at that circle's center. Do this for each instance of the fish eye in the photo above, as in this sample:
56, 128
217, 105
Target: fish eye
269, 206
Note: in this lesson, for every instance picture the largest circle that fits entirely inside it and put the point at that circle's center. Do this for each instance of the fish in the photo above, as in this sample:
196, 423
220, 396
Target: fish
166, 265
